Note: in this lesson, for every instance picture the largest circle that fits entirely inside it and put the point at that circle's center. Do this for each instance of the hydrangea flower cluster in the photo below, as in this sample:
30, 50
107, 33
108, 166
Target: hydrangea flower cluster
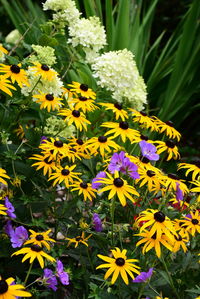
54, 125
45, 55
117, 72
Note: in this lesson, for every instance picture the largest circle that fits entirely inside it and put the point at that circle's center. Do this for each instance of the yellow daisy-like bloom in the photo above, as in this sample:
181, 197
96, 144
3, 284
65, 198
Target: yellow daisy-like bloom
195, 189
168, 128
6, 86
117, 109
56, 146
20, 132
83, 103
153, 179
180, 241
3, 50
15, 73
82, 89
119, 265
153, 241
74, 154
67, 93
141, 137
76, 117
192, 225
2, 210
194, 168
168, 146
143, 163
85, 189
46, 163
119, 187
2, 176
48, 101
44, 71
101, 144
65, 175
180, 228
34, 252
79, 239
160, 224
40, 239
80, 146
120, 129
144, 120
10, 290
171, 181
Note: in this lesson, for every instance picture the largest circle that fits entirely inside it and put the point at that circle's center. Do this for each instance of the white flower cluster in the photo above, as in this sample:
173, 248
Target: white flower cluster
117, 72
44, 55
44, 86
90, 34
57, 126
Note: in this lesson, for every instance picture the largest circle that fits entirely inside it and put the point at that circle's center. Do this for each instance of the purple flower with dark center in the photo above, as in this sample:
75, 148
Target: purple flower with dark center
10, 208
98, 177
42, 139
19, 236
179, 192
49, 279
8, 228
97, 223
148, 150
130, 168
116, 162
143, 276
63, 276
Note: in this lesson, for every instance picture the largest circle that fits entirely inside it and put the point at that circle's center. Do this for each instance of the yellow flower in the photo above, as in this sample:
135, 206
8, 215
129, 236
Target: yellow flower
44, 71
34, 252
80, 146
197, 188
10, 290
83, 103
79, 239
40, 239
48, 101
2, 210
171, 181
194, 168
179, 241
168, 128
192, 225
119, 187
65, 175
46, 163
56, 146
168, 146
2, 49
85, 189
3, 175
76, 117
15, 73
153, 179
6, 86
144, 120
82, 89
117, 109
101, 144
119, 265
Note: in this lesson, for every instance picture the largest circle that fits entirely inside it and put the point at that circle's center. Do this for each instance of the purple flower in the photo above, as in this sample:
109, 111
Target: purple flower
50, 279
116, 162
148, 150
188, 216
97, 223
143, 276
19, 236
10, 208
42, 139
98, 177
179, 192
8, 228
63, 276
130, 168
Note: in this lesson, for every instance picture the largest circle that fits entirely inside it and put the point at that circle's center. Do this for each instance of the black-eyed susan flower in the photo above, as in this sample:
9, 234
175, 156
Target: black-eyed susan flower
197, 188
82, 89
120, 129
118, 186
180, 228
64, 174
144, 120
141, 137
180, 241
143, 163
117, 109
3, 175
74, 154
171, 181
40, 239
158, 222
85, 189
101, 144
79, 239
152, 179
2, 210
10, 290
194, 168
153, 241
83, 103
34, 252
5, 85
46, 163
44, 71
119, 264
192, 223
169, 147
54, 147
48, 101
168, 128
80, 146
15, 73
75, 117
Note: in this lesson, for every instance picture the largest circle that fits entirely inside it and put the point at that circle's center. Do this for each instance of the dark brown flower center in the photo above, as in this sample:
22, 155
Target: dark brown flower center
102, 139
79, 141
159, 217
173, 176
143, 137
47, 161
143, 113
39, 237
118, 182
170, 143
83, 185
44, 67
3, 286
36, 248
58, 143
65, 172
118, 106
83, 99
49, 97
169, 123
15, 69
76, 113
123, 125
195, 221
84, 87
120, 261
150, 173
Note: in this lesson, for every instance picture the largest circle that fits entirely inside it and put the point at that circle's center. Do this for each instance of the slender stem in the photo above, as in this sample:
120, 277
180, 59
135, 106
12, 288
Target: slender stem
28, 273
170, 278
112, 214
153, 289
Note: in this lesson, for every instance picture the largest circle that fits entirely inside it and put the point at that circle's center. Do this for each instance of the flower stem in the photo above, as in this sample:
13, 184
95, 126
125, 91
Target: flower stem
28, 273
170, 278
